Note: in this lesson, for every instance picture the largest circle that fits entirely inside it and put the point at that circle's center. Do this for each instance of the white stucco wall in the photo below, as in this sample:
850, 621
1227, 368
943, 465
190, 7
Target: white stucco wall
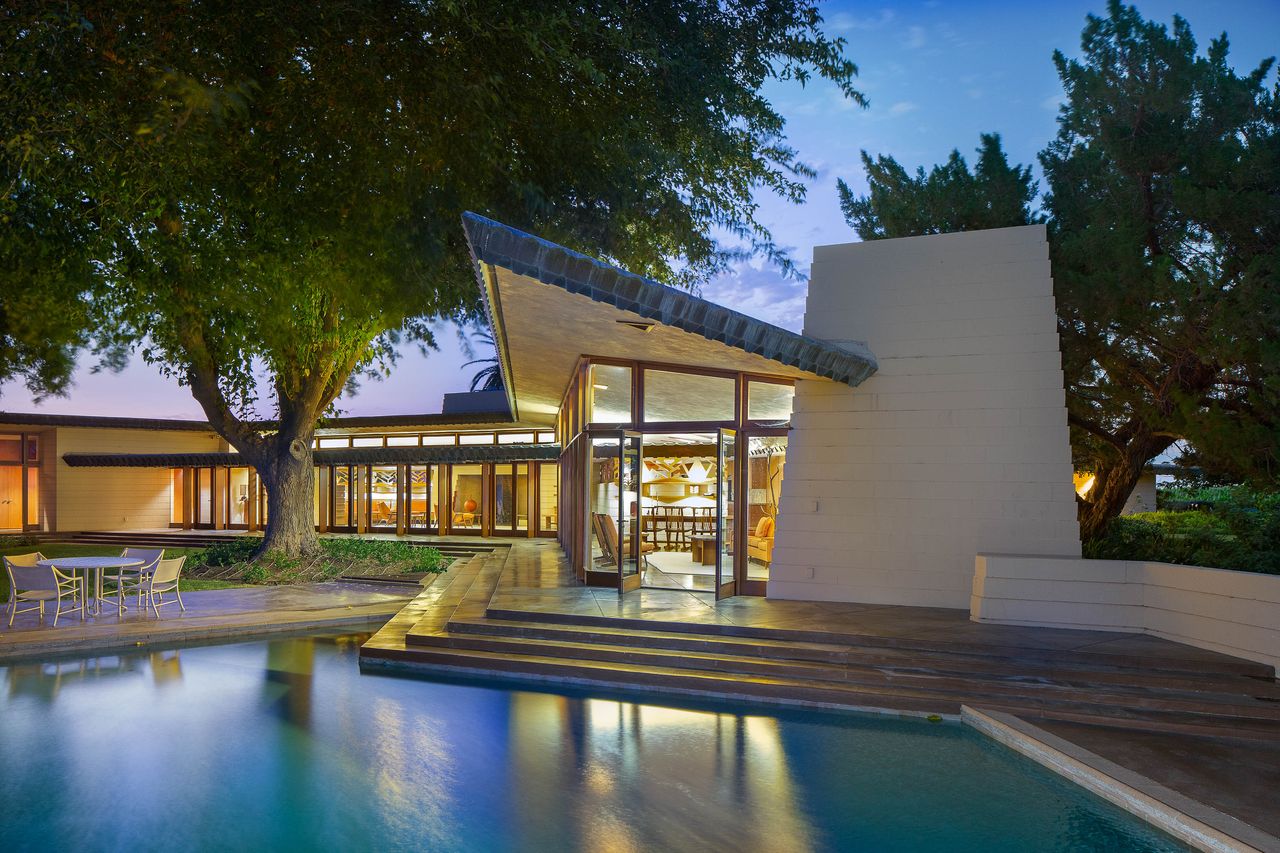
1237, 613
958, 444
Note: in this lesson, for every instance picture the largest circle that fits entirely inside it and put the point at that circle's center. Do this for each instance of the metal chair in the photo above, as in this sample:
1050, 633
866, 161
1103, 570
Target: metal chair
39, 584
155, 583
150, 558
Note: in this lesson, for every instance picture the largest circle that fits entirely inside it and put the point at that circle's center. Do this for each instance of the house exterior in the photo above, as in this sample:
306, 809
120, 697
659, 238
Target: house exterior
667, 441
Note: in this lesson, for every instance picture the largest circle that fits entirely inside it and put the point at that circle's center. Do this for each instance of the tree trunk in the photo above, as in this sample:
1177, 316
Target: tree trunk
289, 478
1114, 482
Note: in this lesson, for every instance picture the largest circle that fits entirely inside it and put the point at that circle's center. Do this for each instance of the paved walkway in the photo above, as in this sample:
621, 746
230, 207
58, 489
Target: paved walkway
210, 614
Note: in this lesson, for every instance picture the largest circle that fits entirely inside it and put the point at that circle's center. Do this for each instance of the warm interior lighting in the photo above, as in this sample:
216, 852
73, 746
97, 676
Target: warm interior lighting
600, 387
1084, 482
697, 474
641, 325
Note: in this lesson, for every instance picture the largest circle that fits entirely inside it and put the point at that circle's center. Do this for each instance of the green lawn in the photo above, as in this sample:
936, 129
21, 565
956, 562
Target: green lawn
59, 549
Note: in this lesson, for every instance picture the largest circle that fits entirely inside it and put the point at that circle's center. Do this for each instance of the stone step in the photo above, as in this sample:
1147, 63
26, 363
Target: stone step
546, 668
913, 660
1022, 654
930, 683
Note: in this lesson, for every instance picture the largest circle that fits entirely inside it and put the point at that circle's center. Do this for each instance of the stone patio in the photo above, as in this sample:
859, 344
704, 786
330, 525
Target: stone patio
210, 614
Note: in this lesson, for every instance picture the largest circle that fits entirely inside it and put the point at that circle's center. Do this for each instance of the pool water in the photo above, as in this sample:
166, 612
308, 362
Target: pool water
283, 744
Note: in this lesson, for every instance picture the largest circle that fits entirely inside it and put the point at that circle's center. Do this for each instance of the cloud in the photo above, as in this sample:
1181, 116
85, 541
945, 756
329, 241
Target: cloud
844, 22
761, 292
902, 108
915, 38
1052, 102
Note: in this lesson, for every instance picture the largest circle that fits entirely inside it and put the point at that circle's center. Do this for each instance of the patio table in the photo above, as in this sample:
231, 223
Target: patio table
96, 565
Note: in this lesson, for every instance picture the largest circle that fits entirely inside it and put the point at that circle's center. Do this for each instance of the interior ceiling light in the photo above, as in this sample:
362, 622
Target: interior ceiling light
642, 325
600, 387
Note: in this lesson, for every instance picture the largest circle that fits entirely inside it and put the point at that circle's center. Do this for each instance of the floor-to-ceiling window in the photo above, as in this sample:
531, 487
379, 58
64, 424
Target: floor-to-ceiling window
467, 499
423, 508
766, 466
548, 511
510, 498
342, 507
384, 497
238, 497
702, 499
202, 511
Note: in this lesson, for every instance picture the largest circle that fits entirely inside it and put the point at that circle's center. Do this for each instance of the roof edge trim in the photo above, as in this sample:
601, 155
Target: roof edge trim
501, 245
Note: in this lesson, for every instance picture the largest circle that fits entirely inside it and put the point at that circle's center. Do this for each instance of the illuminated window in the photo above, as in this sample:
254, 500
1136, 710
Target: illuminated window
610, 398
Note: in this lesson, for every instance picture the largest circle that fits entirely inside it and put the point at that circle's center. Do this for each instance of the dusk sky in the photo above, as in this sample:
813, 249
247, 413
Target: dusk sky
937, 74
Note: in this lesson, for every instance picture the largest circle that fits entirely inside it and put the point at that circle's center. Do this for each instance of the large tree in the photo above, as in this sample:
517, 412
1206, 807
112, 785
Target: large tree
269, 193
949, 197
1163, 206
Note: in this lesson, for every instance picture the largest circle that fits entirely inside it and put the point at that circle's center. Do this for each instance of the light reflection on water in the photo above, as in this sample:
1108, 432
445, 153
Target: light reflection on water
284, 744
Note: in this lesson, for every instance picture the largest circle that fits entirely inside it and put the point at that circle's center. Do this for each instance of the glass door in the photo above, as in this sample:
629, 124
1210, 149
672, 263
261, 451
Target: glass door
631, 546
613, 511
420, 507
726, 569
342, 512
384, 497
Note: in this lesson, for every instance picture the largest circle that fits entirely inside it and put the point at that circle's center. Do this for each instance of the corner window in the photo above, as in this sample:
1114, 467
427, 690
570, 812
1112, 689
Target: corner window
610, 397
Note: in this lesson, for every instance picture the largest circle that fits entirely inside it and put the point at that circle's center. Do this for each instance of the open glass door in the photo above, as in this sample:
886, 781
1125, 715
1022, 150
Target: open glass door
613, 511
630, 546
726, 569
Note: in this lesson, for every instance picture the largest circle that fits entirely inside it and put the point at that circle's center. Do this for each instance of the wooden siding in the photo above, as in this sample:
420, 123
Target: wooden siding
120, 498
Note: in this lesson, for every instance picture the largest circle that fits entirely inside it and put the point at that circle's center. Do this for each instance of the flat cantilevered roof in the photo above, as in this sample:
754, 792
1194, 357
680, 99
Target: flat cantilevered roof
438, 454
549, 305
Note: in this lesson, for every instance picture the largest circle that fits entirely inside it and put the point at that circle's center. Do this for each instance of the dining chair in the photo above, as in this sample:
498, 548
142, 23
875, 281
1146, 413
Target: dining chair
29, 582
155, 583
130, 577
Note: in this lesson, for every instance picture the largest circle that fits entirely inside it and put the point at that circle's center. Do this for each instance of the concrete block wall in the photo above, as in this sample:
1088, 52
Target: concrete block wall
120, 498
1237, 613
957, 445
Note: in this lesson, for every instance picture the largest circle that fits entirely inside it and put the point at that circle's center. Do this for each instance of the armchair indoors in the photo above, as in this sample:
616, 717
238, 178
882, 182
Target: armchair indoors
760, 541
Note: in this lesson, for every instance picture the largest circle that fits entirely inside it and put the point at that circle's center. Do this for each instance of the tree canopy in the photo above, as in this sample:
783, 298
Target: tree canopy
273, 189
1163, 204
949, 198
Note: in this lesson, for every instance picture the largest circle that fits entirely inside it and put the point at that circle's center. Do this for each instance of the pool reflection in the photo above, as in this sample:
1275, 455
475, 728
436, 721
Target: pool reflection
586, 769
283, 744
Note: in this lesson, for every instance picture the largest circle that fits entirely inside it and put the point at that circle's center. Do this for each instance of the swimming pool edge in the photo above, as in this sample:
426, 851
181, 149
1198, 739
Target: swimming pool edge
1190, 821
412, 669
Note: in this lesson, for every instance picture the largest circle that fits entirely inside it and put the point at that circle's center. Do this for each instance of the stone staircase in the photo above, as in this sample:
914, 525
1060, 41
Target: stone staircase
451, 630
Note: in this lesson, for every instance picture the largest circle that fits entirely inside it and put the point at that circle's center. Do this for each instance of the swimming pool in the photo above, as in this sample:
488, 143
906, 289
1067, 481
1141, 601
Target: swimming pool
283, 744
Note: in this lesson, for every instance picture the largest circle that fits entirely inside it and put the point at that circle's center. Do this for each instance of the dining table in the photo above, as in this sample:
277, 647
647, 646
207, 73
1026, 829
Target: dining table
95, 566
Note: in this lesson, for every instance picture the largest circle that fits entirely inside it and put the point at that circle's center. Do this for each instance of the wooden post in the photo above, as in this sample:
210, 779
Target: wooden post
360, 484
402, 502
251, 505
188, 498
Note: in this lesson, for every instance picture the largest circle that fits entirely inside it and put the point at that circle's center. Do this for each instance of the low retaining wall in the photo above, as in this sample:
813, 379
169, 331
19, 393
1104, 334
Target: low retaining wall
1237, 613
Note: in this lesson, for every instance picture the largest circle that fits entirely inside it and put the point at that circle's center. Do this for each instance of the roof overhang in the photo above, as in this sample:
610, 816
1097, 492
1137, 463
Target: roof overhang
549, 305
435, 421
443, 454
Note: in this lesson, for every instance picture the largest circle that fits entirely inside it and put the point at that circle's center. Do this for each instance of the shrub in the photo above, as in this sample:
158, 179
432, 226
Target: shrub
384, 552
236, 560
238, 550
1229, 537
